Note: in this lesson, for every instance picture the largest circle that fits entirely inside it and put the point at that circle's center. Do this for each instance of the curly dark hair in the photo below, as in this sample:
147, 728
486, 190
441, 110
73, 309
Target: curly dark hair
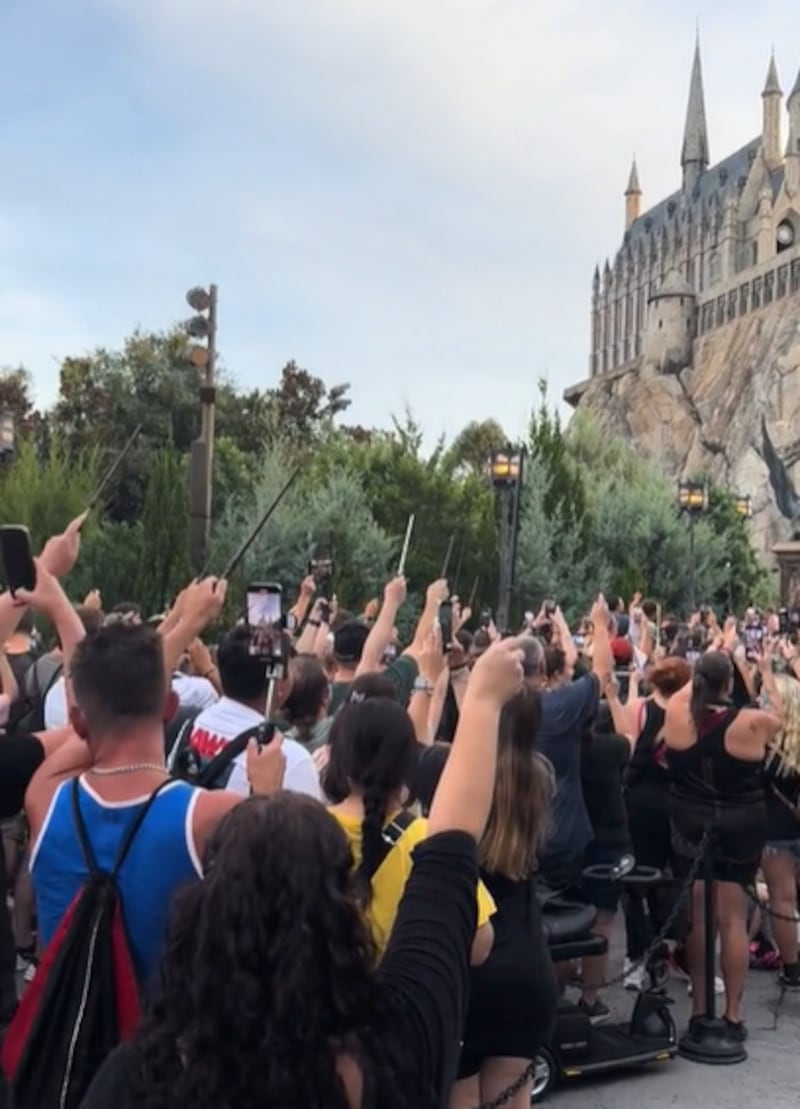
269, 975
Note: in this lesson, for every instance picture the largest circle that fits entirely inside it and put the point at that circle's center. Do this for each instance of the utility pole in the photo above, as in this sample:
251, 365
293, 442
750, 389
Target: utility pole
203, 355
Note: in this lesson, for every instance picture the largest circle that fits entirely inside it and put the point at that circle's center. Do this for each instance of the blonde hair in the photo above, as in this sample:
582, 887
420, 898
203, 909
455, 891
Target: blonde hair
784, 755
523, 792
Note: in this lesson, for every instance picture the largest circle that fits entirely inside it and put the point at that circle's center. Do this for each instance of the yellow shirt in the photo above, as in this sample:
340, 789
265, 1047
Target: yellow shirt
393, 873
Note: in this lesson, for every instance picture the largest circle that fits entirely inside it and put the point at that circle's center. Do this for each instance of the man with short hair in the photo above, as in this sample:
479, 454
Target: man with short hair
123, 696
243, 706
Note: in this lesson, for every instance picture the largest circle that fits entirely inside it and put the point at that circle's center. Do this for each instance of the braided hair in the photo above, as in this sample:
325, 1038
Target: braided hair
375, 751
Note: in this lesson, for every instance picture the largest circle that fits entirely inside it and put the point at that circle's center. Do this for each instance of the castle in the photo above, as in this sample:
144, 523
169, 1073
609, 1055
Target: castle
726, 244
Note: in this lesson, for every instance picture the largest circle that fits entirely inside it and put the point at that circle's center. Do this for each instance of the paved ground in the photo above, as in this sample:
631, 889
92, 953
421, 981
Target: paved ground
769, 1079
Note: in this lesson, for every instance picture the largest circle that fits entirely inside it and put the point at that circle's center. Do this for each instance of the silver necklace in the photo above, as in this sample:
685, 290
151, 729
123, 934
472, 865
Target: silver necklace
107, 771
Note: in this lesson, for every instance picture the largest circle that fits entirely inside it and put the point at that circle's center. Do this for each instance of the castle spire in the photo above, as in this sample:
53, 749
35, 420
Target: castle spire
773, 85
694, 154
633, 197
772, 97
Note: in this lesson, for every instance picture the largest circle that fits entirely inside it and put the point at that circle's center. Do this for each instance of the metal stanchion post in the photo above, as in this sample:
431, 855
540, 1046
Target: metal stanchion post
707, 1039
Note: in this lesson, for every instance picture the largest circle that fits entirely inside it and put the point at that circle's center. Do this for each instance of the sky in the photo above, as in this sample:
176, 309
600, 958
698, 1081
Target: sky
406, 196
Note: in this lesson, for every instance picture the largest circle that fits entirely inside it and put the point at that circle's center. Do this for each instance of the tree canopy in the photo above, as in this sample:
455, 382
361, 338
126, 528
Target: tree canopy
594, 513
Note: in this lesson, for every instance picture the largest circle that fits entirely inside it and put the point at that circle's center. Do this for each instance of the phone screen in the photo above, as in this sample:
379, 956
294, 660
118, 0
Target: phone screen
265, 620
446, 624
263, 606
753, 638
19, 569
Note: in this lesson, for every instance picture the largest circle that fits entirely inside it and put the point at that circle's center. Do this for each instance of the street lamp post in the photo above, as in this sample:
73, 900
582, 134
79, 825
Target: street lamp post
8, 435
693, 501
203, 355
744, 505
506, 474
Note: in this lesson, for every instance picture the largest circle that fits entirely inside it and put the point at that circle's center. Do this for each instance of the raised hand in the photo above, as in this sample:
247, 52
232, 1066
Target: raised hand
61, 552
497, 676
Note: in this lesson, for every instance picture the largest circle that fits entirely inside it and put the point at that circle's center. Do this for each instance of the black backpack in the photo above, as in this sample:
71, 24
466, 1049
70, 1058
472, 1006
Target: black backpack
186, 764
84, 998
27, 715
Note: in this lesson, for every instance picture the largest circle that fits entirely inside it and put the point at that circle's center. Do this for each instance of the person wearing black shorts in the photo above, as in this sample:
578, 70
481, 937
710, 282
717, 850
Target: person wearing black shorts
513, 995
715, 756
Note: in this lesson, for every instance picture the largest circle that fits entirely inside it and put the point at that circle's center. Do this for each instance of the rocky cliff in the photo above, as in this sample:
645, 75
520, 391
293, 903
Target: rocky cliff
708, 416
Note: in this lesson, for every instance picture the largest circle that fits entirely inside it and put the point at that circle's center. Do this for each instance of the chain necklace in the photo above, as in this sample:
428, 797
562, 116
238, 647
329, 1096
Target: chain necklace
107, 771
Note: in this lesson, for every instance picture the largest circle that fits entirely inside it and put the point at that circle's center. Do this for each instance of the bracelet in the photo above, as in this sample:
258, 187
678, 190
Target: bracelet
315, 623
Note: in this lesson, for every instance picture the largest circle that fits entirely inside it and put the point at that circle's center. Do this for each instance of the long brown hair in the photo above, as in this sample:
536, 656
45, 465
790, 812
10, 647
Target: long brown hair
523, 790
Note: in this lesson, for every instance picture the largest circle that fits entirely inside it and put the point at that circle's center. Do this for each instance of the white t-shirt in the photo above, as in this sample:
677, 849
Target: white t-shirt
196, 693
226, 719
55, 705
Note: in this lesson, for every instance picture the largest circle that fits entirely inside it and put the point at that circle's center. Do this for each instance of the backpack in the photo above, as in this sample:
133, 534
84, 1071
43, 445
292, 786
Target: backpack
185, 764
84, 999
37, 681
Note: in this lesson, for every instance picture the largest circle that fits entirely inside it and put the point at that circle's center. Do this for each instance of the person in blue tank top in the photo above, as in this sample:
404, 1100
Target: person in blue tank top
122, 697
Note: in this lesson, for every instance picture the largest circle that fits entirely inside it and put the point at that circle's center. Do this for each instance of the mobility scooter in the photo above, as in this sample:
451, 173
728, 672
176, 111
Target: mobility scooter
577, 1048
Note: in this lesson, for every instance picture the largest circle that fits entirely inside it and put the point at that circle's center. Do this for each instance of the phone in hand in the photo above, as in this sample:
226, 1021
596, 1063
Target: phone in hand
320, 569
446, 624
753, 639
325, 612
19, 569
550, 608
265, 620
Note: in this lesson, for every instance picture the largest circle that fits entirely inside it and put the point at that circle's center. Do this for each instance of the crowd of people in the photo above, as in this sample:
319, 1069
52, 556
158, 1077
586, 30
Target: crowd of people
329, 853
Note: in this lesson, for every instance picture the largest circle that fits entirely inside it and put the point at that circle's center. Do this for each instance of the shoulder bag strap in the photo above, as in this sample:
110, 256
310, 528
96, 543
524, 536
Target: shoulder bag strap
220, 763
391, 836
136, 825
89, 858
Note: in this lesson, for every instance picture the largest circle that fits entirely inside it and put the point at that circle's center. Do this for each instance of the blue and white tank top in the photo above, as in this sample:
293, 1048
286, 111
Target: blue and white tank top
161, 859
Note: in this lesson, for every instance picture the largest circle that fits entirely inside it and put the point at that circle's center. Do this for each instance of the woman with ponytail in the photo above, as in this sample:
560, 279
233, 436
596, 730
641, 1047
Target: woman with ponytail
715, 757
374, 749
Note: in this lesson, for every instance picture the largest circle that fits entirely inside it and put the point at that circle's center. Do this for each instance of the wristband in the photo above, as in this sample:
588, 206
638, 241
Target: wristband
315, 623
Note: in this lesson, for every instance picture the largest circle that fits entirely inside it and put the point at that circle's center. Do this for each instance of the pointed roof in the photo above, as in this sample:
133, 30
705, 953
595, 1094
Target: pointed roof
695, 134
795, 91
634, 188
773, 85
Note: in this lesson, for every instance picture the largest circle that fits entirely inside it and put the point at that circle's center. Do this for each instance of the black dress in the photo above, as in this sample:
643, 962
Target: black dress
514, 993
713, 792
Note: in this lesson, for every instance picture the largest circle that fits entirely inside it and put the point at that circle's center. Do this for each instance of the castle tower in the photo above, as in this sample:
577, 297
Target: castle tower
772, 97
633, 197
671, 325
694, 154
792, 177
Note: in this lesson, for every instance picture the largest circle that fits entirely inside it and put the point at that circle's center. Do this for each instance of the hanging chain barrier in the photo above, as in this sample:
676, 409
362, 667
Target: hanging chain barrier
697, 851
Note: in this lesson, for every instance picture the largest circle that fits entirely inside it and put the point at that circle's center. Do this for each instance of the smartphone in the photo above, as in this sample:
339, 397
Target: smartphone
446, 624
265, 620
320, 569
486, 617
19, 569
753, 638
325, 612
550, 608
783, 621
579, 640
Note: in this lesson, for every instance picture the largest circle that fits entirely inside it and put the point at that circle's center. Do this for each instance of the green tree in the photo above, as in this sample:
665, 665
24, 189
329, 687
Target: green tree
45, 494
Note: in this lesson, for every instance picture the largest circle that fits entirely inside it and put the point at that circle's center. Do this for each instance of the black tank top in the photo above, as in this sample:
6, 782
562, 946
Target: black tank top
647, 777
707, 773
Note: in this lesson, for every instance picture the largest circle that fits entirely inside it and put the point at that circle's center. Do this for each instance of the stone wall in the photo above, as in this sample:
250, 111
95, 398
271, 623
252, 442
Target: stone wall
708, 416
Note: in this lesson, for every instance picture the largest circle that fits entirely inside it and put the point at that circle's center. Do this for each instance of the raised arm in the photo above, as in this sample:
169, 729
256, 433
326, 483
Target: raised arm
382, 630
51, 601
463, 798
201, 605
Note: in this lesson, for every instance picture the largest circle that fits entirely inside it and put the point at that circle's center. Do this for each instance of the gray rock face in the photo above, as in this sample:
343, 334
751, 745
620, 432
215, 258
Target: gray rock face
709, 416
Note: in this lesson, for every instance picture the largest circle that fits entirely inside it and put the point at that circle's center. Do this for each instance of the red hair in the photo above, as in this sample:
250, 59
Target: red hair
669, 675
